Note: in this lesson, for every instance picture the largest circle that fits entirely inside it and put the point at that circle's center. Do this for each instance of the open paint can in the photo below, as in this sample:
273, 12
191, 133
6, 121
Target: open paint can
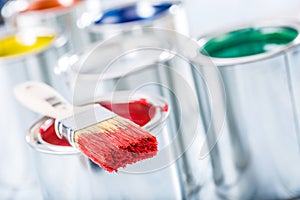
138, 14
255, 155
143, 61
59, 15
24, 56
64, 173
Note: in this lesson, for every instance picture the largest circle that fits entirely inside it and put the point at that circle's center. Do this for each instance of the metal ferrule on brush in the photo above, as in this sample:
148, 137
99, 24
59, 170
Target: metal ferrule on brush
81, 119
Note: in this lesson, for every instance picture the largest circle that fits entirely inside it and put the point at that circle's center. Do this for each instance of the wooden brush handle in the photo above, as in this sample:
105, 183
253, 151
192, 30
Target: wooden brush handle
42, 99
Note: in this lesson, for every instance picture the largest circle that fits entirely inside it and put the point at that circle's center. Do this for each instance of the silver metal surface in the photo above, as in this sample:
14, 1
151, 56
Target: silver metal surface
61, 170
255, 154
149, 60
76, 177
63, 19
16, 171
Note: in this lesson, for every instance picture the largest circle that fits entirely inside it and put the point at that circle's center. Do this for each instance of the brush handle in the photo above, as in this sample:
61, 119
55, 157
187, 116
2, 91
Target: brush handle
43, 99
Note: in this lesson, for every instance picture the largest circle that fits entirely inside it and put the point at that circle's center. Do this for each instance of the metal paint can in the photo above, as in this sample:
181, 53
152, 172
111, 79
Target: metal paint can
255, 149
32, 60
64, 173
144, 60
60, 15
123, 18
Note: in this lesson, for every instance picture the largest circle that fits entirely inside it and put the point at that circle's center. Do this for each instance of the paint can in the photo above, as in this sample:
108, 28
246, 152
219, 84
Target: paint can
23, 56
64, 173
144, 61
121, 19
253, 136
59, 15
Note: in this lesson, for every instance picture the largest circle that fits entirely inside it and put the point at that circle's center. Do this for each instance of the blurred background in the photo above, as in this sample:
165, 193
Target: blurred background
50, 171
207, 16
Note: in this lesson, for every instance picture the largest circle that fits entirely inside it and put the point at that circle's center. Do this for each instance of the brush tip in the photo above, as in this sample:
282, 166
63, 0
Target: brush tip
115, 143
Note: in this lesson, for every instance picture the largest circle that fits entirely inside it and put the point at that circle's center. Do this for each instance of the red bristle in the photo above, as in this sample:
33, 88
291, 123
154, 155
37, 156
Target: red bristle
117, 146
131, 138
107, 155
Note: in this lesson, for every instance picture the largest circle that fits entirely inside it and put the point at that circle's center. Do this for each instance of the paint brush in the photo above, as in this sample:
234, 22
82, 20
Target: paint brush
109, 140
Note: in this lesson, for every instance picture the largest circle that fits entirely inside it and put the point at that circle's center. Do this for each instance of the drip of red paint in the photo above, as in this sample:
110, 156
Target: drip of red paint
47, 133
139, 111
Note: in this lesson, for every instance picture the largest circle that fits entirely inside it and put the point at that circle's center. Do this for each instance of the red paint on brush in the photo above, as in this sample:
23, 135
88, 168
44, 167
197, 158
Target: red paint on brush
119, 147
122, 143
